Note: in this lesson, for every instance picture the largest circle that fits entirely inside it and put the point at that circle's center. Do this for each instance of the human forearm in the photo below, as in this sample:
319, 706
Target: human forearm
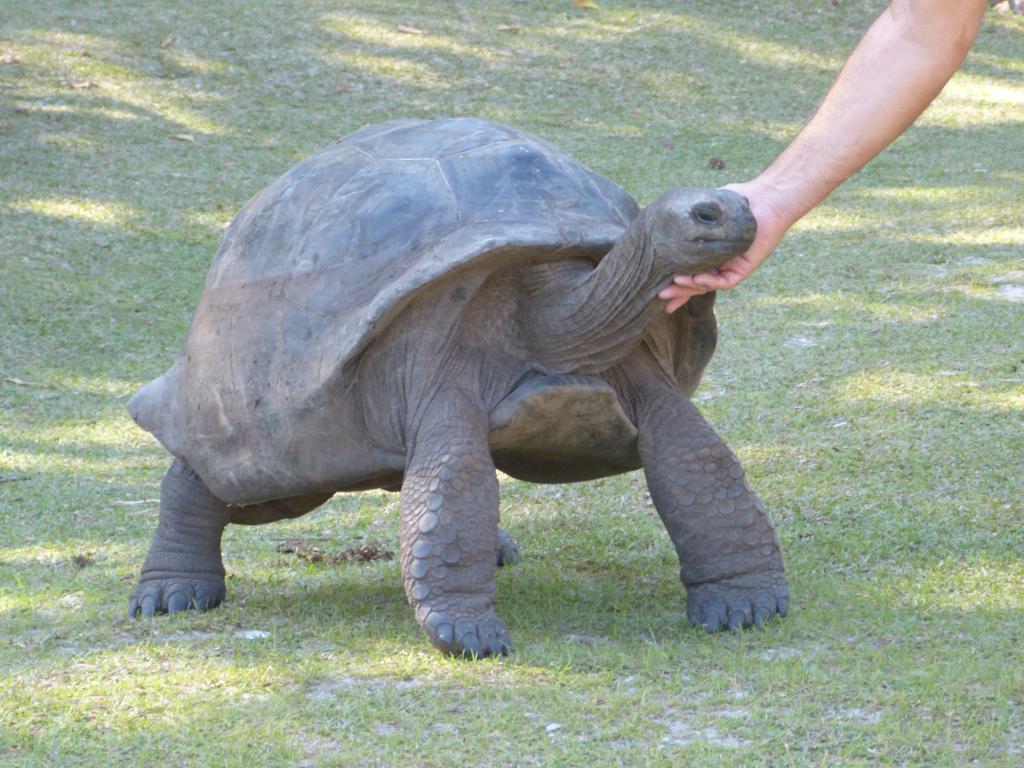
895, 72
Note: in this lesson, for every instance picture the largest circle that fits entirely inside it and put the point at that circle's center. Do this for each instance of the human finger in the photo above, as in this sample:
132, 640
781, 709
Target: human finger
676, 296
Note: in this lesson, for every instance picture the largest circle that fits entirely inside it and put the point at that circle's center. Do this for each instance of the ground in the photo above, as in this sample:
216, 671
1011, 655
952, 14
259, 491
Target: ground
870, 377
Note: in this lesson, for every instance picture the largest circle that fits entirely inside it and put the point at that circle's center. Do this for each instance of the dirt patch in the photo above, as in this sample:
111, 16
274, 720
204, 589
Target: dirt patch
311, 553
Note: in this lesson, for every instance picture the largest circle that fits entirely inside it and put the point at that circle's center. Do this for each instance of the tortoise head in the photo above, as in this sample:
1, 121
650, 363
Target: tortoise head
583, 321
694, 230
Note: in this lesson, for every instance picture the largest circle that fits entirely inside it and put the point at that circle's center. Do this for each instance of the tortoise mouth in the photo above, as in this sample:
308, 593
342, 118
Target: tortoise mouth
738, 244
705, 254
733, 246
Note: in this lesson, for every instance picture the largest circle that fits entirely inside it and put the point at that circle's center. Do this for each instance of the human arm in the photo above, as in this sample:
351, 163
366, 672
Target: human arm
897, 69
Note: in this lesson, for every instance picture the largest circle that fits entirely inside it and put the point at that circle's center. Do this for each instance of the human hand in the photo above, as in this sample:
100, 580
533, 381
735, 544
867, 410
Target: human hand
771, 226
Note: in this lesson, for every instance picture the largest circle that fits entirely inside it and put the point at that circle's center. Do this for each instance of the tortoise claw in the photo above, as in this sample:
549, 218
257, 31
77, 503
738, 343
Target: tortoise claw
738, 602
159, 596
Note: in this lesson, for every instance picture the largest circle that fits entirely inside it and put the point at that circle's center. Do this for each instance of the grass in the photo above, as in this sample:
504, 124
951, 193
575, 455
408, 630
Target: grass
871, 378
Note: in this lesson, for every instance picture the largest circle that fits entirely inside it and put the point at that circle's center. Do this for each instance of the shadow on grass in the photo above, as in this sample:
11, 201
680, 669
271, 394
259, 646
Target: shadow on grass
574, 578
362, 610
355, 66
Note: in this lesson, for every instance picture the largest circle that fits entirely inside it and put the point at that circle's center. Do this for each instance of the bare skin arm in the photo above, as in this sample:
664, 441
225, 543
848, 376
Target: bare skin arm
897, 69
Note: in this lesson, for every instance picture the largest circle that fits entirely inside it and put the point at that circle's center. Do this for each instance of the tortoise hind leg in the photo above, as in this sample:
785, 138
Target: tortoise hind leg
449, 530
183, 569
508, 549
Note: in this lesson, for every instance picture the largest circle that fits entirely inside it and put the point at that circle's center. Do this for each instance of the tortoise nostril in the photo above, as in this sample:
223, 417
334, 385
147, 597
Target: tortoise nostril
706, 213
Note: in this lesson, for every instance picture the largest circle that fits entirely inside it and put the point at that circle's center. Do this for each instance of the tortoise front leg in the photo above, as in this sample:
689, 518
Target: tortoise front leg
727, 545
449, 529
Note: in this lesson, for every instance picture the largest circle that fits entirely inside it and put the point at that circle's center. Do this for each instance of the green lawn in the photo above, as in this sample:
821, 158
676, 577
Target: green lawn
870, 377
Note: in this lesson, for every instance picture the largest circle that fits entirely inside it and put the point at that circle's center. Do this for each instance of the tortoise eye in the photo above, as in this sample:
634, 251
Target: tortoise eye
706, 213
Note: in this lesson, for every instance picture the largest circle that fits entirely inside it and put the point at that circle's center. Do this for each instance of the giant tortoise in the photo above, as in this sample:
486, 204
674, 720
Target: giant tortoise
423, 302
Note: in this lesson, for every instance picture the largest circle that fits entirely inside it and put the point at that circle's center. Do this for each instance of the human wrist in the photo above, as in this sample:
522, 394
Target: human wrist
773, 201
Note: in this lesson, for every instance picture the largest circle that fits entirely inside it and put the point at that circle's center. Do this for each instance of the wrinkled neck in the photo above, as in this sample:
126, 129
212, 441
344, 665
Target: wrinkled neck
578, 319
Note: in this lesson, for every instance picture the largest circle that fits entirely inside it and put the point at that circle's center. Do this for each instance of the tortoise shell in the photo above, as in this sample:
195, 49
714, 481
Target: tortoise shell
316, 265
